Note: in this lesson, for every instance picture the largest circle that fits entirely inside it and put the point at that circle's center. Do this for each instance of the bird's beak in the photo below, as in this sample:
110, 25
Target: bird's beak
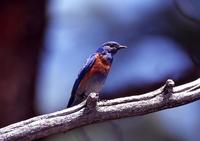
121, 47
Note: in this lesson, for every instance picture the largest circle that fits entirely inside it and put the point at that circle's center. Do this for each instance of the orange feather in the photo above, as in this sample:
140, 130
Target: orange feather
101, 66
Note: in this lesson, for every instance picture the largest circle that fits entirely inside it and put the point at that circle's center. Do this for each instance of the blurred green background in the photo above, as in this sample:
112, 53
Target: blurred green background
45, 43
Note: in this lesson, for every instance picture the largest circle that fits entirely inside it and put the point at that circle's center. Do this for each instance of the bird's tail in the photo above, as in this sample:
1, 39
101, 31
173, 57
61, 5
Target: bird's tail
75, 100
71, 101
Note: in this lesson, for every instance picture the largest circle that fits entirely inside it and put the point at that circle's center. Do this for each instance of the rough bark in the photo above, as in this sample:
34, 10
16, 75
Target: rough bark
91, 111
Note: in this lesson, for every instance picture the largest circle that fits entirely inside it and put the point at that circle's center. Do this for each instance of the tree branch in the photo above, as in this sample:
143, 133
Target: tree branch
92, 111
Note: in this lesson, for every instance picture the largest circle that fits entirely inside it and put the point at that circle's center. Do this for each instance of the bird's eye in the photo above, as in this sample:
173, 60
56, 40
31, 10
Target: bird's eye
111, 45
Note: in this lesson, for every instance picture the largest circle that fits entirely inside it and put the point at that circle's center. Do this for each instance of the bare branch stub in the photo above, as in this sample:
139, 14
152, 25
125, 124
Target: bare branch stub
168, 88
91, 101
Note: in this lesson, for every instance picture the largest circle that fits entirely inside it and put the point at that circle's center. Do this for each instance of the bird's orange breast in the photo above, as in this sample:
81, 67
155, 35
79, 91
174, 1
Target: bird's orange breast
100, 67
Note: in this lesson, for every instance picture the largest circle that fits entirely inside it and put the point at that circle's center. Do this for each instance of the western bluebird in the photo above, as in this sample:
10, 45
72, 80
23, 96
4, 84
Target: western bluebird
93, 74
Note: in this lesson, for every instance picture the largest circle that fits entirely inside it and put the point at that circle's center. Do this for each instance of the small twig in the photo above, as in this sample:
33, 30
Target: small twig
165, 97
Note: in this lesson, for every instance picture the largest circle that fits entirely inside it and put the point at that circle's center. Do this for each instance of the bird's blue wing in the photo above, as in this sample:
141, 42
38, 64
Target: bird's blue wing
90, 61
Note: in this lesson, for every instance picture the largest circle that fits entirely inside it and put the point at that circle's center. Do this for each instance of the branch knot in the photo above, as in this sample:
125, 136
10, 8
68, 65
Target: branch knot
169, 84
91, 101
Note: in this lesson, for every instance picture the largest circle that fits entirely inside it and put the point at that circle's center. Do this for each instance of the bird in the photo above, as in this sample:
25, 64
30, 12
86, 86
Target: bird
93, 74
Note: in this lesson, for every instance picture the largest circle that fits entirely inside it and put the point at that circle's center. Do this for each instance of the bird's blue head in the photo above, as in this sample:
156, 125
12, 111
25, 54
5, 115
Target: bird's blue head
110, 47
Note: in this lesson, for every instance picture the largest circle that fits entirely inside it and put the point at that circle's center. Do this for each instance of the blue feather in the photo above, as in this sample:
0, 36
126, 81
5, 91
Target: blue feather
96, 78
90, 61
